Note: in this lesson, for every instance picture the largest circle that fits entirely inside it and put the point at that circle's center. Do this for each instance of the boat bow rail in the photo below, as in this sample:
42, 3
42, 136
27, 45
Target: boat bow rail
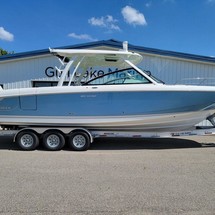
199, 81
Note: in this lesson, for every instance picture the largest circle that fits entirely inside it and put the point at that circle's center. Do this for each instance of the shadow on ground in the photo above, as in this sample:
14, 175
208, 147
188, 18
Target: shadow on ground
146, 143
6, 143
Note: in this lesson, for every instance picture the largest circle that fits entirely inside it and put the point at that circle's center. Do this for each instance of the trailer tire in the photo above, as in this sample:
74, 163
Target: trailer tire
27, 140
79, 141
53, 140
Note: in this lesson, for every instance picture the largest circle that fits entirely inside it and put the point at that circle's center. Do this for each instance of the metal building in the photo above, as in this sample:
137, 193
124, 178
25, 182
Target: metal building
37, 68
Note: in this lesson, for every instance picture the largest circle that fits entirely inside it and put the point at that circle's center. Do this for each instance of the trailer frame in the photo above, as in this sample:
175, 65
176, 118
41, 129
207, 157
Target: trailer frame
79, 138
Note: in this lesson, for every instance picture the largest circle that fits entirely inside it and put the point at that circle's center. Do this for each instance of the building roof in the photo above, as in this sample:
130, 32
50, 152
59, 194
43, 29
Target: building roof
114, 44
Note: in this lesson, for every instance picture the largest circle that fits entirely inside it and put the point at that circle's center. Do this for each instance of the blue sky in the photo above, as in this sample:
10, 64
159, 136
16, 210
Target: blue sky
177, 25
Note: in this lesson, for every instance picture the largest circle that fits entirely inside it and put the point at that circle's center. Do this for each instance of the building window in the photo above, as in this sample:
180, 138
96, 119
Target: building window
47, 83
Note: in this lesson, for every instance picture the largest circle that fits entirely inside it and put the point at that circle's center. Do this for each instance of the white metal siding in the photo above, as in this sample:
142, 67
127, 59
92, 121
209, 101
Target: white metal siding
172, 71
27, 69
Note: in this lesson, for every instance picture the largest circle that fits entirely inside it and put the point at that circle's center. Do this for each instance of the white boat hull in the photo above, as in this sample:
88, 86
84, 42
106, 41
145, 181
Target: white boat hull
163, 122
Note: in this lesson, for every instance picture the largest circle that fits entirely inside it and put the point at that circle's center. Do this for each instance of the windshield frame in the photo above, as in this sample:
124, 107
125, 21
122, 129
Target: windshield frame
153, 77
118, 71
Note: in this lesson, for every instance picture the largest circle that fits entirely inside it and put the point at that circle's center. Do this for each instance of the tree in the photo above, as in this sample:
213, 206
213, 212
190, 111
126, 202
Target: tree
4, 52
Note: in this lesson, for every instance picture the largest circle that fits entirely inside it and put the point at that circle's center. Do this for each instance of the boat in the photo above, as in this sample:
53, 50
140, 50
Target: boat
123, 98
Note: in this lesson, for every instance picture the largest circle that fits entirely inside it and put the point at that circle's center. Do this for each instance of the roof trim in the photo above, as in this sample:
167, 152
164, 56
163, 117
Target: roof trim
114, 44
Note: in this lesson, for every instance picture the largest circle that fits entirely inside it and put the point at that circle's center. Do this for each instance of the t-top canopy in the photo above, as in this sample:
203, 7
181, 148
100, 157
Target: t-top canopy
100, 57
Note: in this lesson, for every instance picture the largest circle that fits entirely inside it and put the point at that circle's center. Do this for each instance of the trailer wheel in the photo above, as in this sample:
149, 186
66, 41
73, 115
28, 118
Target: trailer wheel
53, 140
27, 140
79, 141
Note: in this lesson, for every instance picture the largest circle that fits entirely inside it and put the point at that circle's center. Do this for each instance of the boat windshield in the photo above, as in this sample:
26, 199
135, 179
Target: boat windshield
124, 76
153, 77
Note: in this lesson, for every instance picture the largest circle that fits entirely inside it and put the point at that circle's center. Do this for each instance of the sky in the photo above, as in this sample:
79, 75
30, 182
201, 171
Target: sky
186, 26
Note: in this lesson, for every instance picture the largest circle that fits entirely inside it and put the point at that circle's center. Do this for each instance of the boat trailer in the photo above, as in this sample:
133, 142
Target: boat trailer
79, 139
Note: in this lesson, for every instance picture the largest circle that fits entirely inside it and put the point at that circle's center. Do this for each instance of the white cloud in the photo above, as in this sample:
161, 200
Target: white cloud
133, 16
97, 21
81, 36
5, 35
107, 22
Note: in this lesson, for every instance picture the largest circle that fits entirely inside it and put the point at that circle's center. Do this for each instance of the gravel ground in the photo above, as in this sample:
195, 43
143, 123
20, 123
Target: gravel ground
116, 177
